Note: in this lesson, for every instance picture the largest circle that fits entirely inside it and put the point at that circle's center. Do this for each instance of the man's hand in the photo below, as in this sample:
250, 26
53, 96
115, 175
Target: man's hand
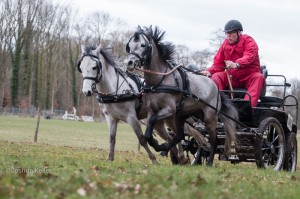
206, 73
230, 64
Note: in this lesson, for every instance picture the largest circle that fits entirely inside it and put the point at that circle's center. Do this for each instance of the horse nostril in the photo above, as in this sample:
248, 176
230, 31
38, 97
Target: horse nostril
130, 63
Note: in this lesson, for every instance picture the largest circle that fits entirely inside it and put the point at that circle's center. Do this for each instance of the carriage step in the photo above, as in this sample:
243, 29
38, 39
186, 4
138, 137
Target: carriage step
233, 158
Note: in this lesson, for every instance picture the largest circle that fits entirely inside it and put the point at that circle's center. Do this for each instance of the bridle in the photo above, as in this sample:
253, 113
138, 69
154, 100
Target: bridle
98, 67
146, 55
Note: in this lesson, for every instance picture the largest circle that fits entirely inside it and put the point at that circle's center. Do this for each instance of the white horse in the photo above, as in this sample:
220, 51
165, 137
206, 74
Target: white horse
119, 96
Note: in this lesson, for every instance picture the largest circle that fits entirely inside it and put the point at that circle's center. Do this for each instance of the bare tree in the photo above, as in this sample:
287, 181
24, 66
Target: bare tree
182, 54
201, 58
98, 25
116, 37
21, 15
217, 39
4, 65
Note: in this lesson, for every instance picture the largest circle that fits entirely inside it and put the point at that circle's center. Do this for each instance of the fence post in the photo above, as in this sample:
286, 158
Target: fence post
37, 125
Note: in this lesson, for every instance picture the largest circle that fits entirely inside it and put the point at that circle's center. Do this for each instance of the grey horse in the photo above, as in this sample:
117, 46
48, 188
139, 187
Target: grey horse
173, 95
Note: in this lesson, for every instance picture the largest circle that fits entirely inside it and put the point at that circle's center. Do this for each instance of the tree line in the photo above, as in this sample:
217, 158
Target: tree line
40, 42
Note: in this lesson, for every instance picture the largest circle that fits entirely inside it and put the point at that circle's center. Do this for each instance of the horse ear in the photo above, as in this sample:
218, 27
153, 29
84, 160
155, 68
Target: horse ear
98, 49
150, 30
139, 28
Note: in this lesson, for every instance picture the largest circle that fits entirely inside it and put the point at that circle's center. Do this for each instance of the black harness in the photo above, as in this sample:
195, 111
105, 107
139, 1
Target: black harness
114, 97
184, 90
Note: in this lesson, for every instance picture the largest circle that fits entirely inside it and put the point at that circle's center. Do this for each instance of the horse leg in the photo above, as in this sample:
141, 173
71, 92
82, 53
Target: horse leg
167, 145
149, 134
163, 133
134, 123
211, 129
112, 125
179, 135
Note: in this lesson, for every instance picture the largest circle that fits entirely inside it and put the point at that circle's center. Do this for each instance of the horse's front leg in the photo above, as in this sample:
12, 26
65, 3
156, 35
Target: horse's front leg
167, 145
165, 135
152, 119
112, 125
179, 135
134, 123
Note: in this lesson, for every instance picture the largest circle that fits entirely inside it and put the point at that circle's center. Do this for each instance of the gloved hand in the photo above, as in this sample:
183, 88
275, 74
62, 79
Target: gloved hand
230, 64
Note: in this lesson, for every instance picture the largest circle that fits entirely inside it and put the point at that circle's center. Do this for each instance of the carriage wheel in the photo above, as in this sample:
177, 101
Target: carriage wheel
270, 144
290, 162
200, 157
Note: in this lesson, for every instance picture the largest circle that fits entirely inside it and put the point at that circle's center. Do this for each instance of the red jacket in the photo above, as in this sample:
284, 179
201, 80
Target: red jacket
245, 53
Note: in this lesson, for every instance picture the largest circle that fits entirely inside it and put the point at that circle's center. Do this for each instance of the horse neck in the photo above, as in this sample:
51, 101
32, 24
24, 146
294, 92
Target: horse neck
156, 65
109, 80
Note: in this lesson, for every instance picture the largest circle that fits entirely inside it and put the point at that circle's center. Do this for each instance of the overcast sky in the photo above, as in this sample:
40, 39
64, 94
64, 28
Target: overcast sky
274, 24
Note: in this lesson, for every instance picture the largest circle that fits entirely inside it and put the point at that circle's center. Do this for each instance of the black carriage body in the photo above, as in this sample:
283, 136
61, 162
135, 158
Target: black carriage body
251, 125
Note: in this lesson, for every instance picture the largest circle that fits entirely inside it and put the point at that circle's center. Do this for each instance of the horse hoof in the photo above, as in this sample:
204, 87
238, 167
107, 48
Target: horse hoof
110, 159
155, 162
164, 153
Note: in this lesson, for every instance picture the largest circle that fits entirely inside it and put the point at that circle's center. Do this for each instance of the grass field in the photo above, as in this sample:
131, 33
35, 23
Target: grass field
69, 161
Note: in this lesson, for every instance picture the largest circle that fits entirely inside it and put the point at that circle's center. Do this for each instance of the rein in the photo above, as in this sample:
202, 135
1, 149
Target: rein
159, 73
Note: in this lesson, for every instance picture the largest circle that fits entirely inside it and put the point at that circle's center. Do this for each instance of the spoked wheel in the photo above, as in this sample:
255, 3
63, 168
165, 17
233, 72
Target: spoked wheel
290, 162
270, 145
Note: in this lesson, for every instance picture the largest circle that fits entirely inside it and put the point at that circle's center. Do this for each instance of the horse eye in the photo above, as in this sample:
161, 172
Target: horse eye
94, 68
143, 45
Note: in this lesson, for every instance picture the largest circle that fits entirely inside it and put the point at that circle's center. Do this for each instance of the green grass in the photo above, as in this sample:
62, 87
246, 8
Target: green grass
69, 161
66, 133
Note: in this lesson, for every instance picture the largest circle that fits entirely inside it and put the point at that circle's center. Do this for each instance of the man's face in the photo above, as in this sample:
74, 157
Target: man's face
232, 36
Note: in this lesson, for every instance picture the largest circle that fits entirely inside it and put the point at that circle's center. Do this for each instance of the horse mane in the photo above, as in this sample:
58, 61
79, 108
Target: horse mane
108, 56
165, 49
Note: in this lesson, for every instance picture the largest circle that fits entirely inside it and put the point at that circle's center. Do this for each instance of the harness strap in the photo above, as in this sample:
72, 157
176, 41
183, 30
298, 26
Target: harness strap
137, 80
115, 98
185, 80
164, 89
139, 84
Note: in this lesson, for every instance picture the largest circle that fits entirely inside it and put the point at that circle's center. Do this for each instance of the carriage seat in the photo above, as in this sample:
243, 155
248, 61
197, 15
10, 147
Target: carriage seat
240, 92
264, 101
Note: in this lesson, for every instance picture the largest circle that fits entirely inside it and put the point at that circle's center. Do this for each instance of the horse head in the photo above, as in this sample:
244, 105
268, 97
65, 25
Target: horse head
147, 45
139, 48
90, 67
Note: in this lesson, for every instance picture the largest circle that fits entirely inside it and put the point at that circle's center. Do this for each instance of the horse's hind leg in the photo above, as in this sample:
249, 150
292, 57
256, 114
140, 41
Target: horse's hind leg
134, 123
211, 129
112, 125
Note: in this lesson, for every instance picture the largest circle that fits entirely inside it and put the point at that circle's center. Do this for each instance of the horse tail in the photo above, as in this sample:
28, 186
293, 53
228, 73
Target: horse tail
228, 115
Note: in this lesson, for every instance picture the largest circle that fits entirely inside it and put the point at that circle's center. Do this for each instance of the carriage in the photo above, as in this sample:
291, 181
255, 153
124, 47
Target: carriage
266, 133
171, 96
